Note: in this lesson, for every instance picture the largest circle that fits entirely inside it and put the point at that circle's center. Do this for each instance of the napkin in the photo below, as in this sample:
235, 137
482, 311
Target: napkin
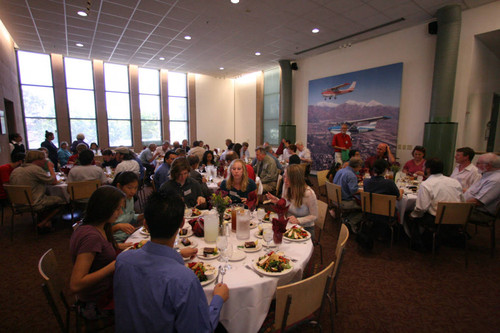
252, 199
198, 225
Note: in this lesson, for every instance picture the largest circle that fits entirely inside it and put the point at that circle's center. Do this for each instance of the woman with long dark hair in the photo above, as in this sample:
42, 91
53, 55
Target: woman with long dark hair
93, 252
49, 136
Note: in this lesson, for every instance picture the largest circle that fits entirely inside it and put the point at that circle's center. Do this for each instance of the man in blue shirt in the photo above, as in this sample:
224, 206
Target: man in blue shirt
163, 172
348, 182
153, 290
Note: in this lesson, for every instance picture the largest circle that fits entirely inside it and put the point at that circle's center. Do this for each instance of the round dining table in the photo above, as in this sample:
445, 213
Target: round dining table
250, 293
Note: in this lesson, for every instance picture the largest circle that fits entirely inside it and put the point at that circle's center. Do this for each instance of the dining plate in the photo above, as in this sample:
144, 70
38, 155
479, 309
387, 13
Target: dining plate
256, 234
189, 233
144, 231
298, 240
238, 256
212, 278
253, 224
262, 271
182, 246
252, 249
210, 257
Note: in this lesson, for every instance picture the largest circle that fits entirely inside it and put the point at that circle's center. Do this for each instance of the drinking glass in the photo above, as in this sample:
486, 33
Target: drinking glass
228, 253
242, 225
222, 244
267, 235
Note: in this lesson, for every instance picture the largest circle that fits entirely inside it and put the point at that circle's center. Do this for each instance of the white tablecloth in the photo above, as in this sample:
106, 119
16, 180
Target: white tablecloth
250, 295
407, 203
59, 190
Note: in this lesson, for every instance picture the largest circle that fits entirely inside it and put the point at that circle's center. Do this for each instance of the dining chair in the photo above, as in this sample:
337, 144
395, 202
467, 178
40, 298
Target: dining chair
334, 199
321, 176
320, 223
21, 201
302, 302
489, 222
80, 192
452, 213
339, 257
382, 205
53, 288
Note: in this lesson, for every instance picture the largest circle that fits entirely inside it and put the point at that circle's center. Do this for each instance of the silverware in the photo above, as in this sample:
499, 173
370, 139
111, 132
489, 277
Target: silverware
223, 272
217, 277
253, 270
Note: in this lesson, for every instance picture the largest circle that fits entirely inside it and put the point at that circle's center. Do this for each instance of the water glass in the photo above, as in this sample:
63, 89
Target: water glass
267, 235
243, 225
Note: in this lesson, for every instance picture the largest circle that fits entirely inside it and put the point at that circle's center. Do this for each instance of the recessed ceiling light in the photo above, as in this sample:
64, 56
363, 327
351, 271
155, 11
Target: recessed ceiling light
187, 37
162, 58
82, 13
315, 30
79, 44
235, 1
257, 53
221, 68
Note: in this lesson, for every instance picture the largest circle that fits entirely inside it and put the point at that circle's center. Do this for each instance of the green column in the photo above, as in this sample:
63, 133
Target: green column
287, 130
440, 133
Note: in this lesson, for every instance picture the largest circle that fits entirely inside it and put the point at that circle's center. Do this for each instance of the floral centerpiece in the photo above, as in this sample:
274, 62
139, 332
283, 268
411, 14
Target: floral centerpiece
220, 201
279, 224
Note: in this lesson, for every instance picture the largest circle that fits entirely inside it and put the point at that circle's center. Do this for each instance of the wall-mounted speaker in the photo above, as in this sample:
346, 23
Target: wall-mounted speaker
433, 28
294, 66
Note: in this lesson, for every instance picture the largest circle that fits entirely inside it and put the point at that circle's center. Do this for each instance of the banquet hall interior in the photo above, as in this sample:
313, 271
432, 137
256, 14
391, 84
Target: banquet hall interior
246, 69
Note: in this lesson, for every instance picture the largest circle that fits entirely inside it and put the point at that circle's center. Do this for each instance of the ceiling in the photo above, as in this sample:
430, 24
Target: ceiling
222, 34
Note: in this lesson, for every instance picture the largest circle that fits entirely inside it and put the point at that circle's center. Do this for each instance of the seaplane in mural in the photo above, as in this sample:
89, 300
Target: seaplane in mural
335, 91
357, 126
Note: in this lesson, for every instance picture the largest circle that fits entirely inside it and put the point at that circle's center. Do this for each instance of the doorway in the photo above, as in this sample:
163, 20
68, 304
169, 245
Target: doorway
492, 126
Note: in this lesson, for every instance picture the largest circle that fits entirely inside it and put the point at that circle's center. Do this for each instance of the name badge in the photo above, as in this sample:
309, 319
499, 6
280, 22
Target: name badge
188, 192
234, 194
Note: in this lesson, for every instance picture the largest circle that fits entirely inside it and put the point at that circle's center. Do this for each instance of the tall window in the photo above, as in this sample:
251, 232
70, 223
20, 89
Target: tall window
149, 102
118, 105
271, 105
81, 103
37, 90
177, 106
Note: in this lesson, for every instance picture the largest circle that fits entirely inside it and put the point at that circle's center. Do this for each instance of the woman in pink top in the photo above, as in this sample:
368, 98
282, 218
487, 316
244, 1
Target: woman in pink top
416, 166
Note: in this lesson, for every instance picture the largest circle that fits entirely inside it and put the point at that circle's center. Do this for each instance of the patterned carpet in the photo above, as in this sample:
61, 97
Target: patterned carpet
385, 290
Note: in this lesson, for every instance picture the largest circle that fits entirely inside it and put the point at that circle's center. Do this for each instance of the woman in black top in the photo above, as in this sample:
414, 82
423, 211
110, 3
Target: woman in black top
49, 136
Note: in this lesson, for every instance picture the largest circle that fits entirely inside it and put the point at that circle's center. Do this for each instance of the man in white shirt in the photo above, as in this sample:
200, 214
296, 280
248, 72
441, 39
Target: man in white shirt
465, 172
87, 171
126, 161
147, 157
485, 193
304, 153
197, 150
244, 152
434, 189
162, 150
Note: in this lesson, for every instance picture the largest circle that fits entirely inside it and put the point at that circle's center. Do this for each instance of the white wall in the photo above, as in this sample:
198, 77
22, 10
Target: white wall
226, 109
245, 110
414, 47
475, 21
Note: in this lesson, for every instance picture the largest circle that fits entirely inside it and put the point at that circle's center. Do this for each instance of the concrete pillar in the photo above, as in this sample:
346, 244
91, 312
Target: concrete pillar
440, 133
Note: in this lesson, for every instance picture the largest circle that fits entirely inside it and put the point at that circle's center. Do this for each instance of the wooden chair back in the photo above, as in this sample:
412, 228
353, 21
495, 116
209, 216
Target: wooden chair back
321, 175
333, 193
299, 300
19, 195
322, 210
339, 250
380, 204
83, 189
453, 212
53, 287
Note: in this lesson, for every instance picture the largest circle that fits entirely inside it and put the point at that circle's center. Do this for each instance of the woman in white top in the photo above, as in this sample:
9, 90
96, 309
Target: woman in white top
303, 209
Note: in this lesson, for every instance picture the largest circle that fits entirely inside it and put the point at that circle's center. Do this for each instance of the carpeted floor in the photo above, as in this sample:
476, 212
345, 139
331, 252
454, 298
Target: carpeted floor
385, 290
